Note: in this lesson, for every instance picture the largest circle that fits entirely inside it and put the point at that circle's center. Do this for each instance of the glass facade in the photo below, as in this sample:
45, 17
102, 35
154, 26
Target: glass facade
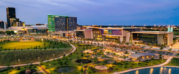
1, 24
97, 34
80, 34
14, 21
51, 23
112, 38
146, 38
10, 14
60, 24
72, 23
37, 31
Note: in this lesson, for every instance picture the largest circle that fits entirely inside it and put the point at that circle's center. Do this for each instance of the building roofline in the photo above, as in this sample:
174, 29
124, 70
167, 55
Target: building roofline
152, 32
58, 15
115, 28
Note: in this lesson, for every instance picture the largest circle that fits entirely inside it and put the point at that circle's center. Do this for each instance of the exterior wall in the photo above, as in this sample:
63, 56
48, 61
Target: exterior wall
10, 14
128, 36
146, 38
160, 39
60, 24
121, 38
88, 34
37, 31
72, 23
97, 34
13, 21
51, 23
80, 34
1, 24
170, 38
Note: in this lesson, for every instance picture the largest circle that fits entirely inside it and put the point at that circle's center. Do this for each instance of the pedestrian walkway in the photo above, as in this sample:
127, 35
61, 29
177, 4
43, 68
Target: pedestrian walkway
166, 62
175, 46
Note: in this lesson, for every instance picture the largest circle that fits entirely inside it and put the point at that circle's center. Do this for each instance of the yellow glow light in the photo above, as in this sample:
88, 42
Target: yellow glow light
14, 72
151, 71
169, 71
137, 72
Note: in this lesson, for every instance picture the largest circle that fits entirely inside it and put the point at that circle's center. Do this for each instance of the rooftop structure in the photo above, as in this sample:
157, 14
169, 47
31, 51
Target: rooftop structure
141, 54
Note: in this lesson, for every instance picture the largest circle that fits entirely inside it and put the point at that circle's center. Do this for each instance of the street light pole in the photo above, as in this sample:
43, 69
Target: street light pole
19, 61
53, 56
122, 67
39, 60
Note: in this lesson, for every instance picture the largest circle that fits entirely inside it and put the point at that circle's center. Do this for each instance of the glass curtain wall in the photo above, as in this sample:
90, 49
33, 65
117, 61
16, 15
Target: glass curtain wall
146, 38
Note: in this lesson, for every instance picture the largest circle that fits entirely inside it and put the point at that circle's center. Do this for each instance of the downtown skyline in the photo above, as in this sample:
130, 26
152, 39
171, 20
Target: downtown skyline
97, 12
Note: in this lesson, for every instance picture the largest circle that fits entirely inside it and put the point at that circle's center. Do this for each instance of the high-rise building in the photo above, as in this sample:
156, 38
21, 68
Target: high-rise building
72, 23
1, 24
14, 22
10, 14
61, 23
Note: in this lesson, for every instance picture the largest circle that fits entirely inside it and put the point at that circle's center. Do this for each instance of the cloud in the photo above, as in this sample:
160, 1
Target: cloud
92, 11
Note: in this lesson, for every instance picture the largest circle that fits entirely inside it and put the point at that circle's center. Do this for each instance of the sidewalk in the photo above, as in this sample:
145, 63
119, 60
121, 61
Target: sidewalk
166, 62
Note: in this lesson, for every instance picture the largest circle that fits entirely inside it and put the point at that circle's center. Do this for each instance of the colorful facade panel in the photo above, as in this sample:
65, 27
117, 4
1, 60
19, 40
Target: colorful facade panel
115, 32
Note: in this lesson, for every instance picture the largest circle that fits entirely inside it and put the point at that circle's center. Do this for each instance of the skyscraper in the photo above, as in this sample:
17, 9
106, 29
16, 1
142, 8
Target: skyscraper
1, 24
72, 23
61, 23
10, 14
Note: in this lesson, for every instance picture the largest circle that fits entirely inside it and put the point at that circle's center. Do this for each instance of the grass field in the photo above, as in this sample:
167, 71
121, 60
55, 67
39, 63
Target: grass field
22, 45
32, 50
11, 57
173, 62
69, 60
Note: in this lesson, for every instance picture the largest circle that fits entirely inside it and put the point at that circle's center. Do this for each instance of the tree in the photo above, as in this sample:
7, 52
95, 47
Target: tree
95, 59
1, 32
126, 52
10, 32
161, 47
170, 49
127, 43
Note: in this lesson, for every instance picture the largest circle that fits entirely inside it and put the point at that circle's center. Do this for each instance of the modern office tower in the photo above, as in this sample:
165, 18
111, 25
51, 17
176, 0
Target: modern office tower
10, 14
1, 24
72, 23
14, 22
61, 23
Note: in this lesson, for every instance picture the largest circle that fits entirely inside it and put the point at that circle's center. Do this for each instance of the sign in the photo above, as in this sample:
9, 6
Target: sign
115, 32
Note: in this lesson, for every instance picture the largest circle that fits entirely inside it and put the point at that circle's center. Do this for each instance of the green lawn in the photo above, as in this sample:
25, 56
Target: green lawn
69, 60
22, 45
174, 62
45, 50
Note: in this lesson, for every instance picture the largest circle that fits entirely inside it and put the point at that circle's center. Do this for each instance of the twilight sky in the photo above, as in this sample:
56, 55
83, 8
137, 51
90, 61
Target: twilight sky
99, 12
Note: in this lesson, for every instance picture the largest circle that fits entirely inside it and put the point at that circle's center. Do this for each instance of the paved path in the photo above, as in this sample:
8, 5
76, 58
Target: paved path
166, 62
85, 70
176, 45
74, 48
